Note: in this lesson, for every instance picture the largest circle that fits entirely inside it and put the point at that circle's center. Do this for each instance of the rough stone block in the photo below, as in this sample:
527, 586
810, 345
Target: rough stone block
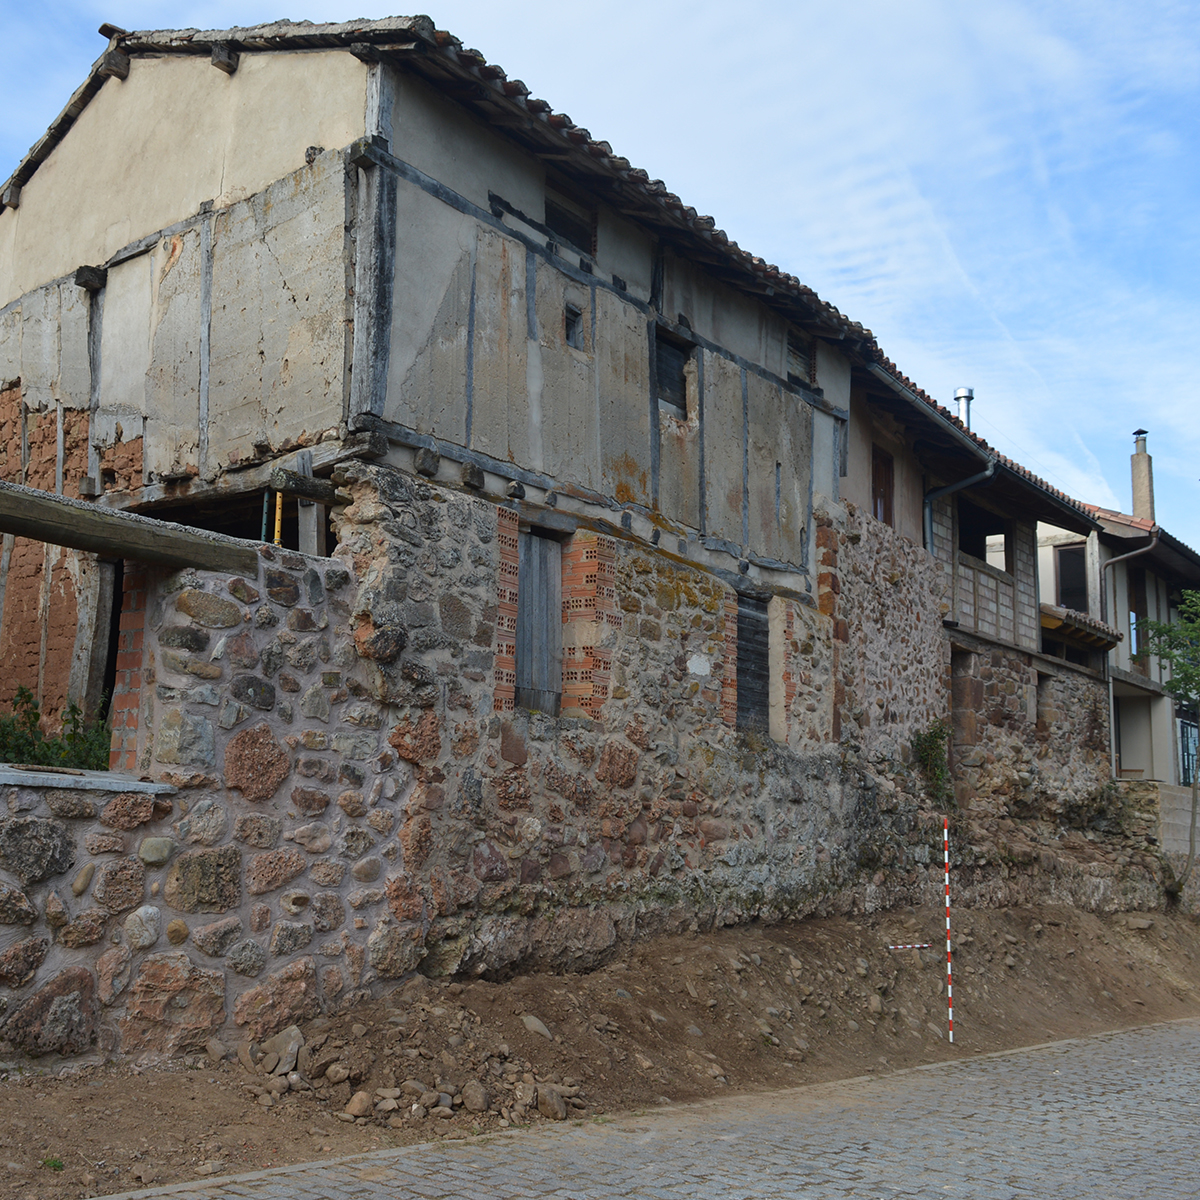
33, 848
208, 610
259, 831
216, 939
60, 1018
255, 763
173, 1006
185, 739
128, 810
120, 884
286, 997
289, 936
205, 880
19, 963
272, 870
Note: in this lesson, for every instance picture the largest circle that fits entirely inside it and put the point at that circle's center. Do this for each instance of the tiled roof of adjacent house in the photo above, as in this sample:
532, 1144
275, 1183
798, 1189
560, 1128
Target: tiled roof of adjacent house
441, 56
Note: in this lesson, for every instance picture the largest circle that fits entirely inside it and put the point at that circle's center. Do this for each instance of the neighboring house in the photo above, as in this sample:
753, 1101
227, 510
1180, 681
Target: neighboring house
1129, 571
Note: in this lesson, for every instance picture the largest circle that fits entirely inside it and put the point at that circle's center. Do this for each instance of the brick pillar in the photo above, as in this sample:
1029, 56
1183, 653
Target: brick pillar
127, 689
505, 691
589, 607
729, 672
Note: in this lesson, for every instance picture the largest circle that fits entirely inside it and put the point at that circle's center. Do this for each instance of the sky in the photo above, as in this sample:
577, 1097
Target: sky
1004, 193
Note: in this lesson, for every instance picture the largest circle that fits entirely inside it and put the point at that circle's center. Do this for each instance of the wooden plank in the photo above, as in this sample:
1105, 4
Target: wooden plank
311, 516
45, 517
753, 664
539, 623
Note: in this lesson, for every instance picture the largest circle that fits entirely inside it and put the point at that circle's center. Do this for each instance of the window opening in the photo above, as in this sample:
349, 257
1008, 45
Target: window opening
799, 359
1136, 585
671, 356
882, 485
753, 664
1189, 736
573, 326
1072, 577
571, 221
539, 622
976, 526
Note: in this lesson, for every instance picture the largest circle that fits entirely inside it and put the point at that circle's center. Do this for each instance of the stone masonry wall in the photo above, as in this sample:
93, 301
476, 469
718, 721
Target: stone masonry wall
1029, 739
353, 796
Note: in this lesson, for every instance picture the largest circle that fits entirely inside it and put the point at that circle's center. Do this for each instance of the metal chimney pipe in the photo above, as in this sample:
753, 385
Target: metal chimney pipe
1142, 467
964, 396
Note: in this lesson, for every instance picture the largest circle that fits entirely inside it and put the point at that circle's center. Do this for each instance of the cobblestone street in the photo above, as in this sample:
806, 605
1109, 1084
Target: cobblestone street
1114, 1115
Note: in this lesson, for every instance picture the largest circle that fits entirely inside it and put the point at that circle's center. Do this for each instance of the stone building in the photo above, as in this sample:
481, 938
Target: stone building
602, 601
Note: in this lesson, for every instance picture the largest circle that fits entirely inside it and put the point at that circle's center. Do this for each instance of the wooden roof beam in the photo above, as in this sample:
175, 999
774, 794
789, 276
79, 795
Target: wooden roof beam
45, 517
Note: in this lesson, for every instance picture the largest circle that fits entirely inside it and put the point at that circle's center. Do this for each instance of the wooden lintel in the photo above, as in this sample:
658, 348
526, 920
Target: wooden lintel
45, 517
256, 478
294, 483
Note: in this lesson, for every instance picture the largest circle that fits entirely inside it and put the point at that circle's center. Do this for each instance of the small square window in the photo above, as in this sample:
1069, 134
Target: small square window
573, 326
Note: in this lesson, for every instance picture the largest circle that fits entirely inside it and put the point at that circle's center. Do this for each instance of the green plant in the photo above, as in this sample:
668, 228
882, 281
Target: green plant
54, 1163
1178, 646
930, 749
82, 744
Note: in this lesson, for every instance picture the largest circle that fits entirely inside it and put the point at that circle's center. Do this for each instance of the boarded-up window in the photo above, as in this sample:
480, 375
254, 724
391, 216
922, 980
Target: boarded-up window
753, 664
882, 485
1072, 578
539, 623
571, 221
671, 357
799, 359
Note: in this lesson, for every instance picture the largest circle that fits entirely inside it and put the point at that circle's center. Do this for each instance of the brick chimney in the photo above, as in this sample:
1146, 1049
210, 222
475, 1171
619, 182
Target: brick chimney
1143, 477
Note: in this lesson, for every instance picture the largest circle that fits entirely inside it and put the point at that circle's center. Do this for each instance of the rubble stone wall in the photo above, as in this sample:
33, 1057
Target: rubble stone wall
352, 795
1030, 738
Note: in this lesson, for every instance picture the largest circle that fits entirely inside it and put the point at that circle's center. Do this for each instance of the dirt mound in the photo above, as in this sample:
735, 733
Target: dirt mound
679, 1018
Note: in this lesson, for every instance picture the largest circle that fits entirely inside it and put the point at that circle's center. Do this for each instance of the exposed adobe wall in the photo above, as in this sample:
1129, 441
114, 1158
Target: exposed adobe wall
45, 586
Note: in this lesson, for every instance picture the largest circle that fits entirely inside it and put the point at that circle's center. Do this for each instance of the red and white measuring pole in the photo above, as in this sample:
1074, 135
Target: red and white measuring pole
949, 975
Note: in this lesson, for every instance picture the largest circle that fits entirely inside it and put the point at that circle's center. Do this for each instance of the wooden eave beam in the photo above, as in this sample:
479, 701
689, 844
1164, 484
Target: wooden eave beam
45, 517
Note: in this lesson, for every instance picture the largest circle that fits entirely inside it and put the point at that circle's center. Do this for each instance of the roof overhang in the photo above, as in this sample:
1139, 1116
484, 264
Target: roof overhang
1079, 628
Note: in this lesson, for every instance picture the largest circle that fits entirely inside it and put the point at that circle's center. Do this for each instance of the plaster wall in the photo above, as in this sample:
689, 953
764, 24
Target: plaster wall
867, 428
189, 133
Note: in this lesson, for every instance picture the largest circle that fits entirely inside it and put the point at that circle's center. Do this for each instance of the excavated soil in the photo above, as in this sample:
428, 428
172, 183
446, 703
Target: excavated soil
676, 1019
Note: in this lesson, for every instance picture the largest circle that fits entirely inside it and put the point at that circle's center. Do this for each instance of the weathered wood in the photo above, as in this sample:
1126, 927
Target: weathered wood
539, 623
225, 57
60, 521
256, 478
91, 279
293, 483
